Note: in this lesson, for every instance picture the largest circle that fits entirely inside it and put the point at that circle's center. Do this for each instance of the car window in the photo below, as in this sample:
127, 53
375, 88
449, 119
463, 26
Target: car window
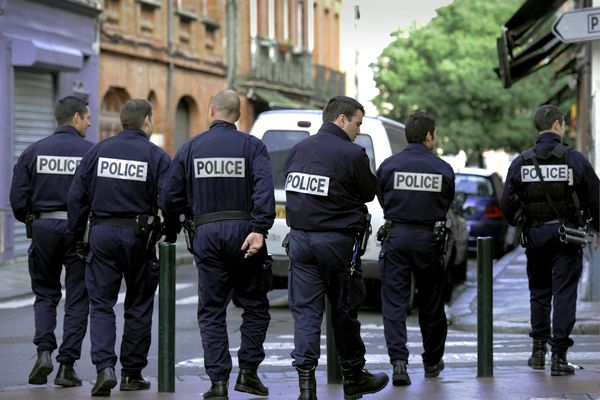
366, 142
396, 136
474, 185
279, 143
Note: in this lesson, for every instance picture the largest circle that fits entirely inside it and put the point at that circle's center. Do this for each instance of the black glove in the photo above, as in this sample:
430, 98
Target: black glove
82, 249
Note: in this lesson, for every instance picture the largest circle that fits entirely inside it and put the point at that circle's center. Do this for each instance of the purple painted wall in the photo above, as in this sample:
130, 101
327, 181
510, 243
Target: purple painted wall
57, 36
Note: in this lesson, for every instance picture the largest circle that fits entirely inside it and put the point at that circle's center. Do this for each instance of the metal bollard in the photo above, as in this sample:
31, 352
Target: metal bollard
166, 319
485, 352
334, 373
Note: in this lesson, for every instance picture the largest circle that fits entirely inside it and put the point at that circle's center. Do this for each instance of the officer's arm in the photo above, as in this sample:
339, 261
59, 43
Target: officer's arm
367, 182
78, 201
172, 197
590, 185
381, 180
510, 203
263, 197
20, 191
171, 219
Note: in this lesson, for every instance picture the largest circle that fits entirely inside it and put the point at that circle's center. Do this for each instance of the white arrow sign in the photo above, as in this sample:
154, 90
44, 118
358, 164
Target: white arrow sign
578, 25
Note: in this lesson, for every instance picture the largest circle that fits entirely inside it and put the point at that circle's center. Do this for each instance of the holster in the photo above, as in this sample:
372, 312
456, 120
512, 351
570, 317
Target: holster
189, 231
29, 225
149, 226
384, 231
363, 236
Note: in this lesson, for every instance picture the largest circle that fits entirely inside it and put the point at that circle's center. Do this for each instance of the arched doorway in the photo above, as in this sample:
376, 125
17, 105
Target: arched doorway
110, 111
182, 123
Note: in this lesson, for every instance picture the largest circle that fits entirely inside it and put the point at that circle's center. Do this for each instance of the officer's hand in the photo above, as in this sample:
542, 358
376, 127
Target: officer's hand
253, 243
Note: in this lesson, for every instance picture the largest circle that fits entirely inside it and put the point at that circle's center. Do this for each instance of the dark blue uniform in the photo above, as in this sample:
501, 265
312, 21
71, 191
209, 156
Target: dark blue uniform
328, 182
119, 179
415, 189
553, 267
40, 183
223, 178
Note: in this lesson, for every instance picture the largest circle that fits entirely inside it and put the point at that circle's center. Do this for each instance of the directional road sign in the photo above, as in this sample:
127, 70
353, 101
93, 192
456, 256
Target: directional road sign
578, 25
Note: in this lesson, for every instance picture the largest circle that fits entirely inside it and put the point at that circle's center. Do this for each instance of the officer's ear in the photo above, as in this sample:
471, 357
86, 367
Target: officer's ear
340, 120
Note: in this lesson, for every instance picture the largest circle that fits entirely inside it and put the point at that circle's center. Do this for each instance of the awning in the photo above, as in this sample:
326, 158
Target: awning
527, 43
273, 98
567, 92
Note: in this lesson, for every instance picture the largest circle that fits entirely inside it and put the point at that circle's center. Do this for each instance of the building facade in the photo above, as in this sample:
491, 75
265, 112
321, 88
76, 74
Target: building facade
48, 50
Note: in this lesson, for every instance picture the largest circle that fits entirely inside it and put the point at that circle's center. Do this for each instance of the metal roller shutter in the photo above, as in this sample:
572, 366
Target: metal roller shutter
33, 120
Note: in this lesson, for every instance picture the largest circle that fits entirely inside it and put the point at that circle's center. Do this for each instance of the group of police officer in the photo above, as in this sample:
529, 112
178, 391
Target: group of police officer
103, 219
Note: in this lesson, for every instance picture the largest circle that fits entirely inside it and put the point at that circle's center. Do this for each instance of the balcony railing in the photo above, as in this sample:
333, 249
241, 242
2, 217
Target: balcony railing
280, 64
328, 83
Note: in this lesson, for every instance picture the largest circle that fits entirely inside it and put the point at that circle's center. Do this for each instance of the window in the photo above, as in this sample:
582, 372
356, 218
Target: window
110, 111
366, 142
474, 185
396, 137
279, 144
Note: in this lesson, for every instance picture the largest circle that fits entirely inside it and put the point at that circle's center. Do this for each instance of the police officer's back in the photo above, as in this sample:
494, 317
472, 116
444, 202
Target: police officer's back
415, 189
221, 179
116, 190
551, 191
38, 197
328, 182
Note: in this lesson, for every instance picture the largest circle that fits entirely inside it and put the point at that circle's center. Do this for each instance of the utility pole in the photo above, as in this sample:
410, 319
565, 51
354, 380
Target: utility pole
231, 43
356, 18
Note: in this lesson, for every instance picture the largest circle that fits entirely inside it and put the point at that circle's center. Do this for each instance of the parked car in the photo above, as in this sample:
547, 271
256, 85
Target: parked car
381, 137
483, 189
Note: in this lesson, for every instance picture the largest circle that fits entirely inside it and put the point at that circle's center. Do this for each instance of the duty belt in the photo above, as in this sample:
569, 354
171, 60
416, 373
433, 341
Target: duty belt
52, 215
220, 216
414, 226
118, 221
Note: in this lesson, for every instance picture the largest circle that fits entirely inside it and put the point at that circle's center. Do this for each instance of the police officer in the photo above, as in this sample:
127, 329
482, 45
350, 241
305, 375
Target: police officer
328, 182
415, 189
222, 180
38, 197
116, 190
548, 188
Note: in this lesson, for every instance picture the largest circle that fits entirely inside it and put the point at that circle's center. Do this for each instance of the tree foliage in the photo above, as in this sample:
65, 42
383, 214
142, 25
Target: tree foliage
446, 68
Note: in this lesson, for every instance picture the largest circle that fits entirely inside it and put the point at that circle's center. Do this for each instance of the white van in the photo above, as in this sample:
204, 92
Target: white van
280, 130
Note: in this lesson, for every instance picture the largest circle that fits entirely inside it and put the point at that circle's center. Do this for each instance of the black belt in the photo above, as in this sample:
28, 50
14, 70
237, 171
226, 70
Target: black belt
124, 222
414, 226
220, 216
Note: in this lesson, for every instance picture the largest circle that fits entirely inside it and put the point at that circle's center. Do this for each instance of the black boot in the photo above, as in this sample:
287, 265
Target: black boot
308, 384
560, 365
432, 371
42, 368
538, 355
105, 381
217, 391
131, 382
249, 382
67, 376
400, 373
357, 383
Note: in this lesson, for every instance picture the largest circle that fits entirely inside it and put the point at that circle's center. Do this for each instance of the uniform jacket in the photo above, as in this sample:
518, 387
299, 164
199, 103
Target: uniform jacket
585, 181
119, 177
222, 169
415, 186
44, 172
328, 182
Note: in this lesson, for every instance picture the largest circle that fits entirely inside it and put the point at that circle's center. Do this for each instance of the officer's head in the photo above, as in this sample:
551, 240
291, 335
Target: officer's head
420, 128
549, 118
137, 114
224, 106
73, 111
346, 113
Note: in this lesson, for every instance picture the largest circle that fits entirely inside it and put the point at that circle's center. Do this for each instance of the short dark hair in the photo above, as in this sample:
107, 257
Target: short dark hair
134, 112
67, 107
546, 115
341, 105
417, 126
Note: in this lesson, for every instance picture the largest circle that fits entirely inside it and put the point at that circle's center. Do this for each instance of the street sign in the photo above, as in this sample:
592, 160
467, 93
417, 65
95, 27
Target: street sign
578, 25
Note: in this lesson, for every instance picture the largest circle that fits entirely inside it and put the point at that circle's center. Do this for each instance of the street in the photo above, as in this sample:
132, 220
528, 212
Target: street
510, 349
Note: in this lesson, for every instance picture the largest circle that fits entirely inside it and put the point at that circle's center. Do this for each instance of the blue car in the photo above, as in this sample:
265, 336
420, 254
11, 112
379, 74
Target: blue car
482, 211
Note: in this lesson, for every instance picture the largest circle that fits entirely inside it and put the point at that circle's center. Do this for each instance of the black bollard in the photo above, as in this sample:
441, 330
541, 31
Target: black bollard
485, 351
166, 319
334, 374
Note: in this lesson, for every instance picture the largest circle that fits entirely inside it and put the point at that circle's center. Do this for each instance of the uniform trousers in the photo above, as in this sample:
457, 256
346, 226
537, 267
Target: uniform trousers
51, 248
553, 269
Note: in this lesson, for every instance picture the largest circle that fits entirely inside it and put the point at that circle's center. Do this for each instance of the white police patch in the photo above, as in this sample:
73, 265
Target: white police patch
58, 165
122, 169
550, 173
219, 167
418, 181
306, 183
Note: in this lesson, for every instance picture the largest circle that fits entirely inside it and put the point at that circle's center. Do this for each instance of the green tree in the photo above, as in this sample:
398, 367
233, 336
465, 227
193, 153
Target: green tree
446, 68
